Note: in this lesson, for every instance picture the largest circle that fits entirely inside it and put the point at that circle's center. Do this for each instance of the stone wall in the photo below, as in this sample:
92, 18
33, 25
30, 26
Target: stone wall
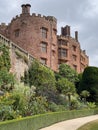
20, 59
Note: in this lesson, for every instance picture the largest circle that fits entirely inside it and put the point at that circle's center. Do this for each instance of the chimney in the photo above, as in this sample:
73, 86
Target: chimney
65, 31
76, 35
68, 30
62, 31
26, 8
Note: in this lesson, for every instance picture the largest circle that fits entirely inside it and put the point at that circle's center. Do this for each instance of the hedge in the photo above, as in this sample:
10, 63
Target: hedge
39, 121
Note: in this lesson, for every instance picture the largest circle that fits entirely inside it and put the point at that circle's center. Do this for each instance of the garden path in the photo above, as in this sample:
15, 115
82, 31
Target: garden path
72, 124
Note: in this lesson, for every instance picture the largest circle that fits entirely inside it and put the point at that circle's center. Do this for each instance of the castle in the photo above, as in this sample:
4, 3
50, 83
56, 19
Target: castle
37, 35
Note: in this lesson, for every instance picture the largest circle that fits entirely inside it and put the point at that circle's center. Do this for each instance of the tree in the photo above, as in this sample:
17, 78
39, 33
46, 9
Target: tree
66, 87
42, 78
78, 82
66, 71
89, 82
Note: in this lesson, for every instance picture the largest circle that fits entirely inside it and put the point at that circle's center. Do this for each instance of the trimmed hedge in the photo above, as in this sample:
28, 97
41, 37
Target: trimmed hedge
39, 121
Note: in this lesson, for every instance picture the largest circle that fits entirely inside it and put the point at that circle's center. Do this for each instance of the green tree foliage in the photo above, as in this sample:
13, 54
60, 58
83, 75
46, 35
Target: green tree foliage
66, 80
66, 87
39, 75
66, 71
42, 78
78, 82
89, 82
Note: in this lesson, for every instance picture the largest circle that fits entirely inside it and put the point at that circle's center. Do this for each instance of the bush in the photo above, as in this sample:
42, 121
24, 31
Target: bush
89, 82
40, 121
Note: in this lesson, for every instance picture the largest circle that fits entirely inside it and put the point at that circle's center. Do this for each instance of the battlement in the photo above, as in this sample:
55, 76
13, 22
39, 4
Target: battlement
49, 18
26, 13
3, 25
34, 15
83, 52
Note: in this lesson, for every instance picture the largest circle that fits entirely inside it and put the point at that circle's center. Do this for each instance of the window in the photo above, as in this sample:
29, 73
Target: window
74, 48
75, 67
55, 31
17, 33
63, 52
44, 32
53, 46
74, 57
63, 42
44, 47
43, 61
82, 59
53, 53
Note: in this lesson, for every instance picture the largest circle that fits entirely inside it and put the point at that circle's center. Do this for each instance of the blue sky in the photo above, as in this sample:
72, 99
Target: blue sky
81, 15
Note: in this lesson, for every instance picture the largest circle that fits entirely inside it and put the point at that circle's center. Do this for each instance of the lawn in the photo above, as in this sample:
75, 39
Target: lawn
90, 126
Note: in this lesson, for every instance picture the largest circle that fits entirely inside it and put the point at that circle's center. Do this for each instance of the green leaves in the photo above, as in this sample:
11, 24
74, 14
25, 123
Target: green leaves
6, 78
65, 86
89, 82
4, 57
40, 76
67, 72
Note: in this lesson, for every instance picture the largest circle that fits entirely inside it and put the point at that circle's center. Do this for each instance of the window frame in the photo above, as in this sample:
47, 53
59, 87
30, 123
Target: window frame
44, 32
74, 48
63, 52
17, 32
43, 47
43, 59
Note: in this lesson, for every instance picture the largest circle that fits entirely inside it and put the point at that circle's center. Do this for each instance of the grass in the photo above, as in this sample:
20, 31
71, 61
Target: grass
90, 126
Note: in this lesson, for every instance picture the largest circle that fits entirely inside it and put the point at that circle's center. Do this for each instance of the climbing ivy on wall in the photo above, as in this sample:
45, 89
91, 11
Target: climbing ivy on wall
4, 57
6, 78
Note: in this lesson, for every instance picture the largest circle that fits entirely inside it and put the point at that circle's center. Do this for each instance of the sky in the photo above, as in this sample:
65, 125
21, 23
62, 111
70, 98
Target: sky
80, 15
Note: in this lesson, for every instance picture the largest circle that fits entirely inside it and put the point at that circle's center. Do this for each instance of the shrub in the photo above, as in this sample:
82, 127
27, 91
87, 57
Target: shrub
39, 121
89, 82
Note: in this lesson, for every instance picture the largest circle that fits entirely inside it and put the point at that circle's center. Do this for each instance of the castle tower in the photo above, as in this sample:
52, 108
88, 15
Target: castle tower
37, 35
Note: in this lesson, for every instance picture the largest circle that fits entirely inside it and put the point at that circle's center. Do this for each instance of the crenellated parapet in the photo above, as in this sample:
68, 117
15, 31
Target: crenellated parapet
3, 28
26, 15
3, 25
34, 16
83, 52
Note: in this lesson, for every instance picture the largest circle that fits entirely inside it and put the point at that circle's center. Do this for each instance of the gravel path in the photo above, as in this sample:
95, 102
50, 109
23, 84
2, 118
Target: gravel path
72, 124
